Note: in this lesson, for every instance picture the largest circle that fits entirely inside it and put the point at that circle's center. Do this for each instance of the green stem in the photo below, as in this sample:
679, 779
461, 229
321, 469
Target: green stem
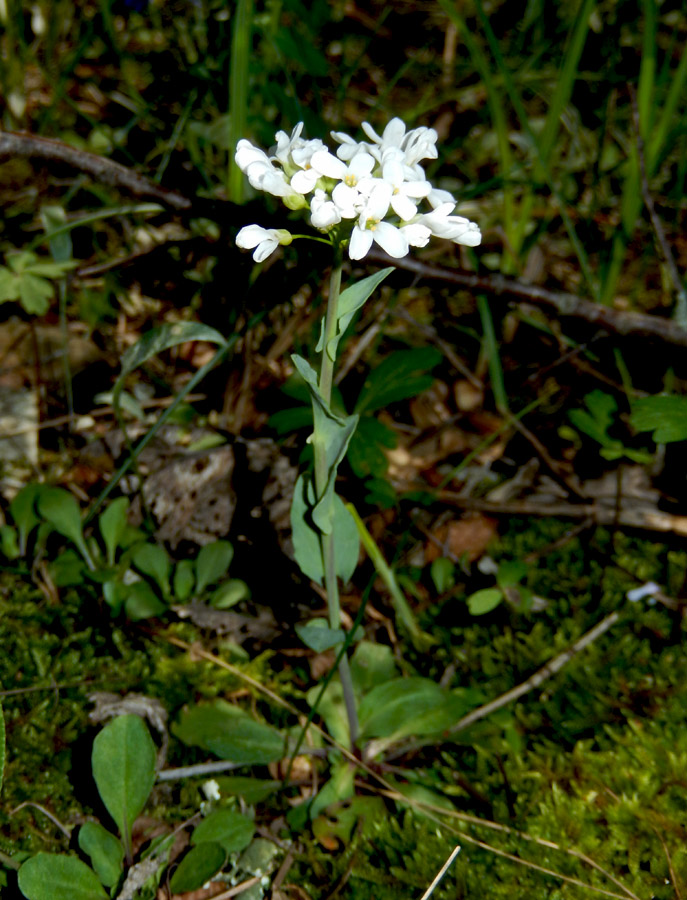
328, 541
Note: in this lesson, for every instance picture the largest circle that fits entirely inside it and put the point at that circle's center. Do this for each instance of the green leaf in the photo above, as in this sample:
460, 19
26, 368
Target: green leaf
287, 421
230, 733
51, 876
53, 217
350, 301
60, 509
197, 867
338, 788
372, 664
141, 602
153, 560
398, 377
212, 563
230, 829
666, 416
229, 594
595, 423
365, 455
184, 579
253, 790
482, 602
35, 294
318, 636
306, 537
443, 571
333, 433
406, 706
105, 851
9, 285
123, 761
332, 709
511, 573
112, 524
9, 543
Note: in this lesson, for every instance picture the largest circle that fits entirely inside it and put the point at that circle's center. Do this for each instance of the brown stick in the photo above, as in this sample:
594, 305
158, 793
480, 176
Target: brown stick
614, 320
28, 146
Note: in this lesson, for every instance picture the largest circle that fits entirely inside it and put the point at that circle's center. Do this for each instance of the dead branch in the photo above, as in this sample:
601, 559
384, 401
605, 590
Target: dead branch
613, 320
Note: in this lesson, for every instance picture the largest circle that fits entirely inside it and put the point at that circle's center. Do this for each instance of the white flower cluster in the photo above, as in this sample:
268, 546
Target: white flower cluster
367, 191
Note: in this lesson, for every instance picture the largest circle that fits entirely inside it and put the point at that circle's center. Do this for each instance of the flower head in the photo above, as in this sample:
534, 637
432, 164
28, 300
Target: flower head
368, 192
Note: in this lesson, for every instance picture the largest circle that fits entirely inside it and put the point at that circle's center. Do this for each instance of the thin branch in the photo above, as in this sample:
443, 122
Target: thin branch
106, 171
613, 320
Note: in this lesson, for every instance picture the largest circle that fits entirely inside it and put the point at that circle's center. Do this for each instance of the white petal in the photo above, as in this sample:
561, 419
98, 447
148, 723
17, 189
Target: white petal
438, 198
360, 243
391, 239
378, 202
361, 164
327, 164
394, 133
250, 236
417, 235
417, 188
403, 206
346, 198
471, 237
304, 181
265, 249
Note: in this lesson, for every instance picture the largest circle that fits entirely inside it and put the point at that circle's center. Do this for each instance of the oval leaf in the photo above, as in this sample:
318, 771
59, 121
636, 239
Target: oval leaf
230, 733
212, 563
482, 602
230, 829
105, 851
197, 867
124, 770
51, 876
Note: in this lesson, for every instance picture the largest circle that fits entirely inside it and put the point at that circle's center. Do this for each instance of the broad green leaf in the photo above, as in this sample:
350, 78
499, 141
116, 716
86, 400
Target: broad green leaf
197, 867
9, 543
123, 761
287, 421
350, 301
511, 573
398, 377
365, 454
306, 538
112, 524
35, 294
50, 269
339, 822
212, 563
318, 636
105, 850
307, 547
184, 579
482, 602
331, 432
332, 709
230, 733
372, 664
153, 560
51, 876
9, 285
406, 706
595, 423
442, 571
338, 788
141, 602
230, 829
666, 416
60, 509
229, 594
253, 790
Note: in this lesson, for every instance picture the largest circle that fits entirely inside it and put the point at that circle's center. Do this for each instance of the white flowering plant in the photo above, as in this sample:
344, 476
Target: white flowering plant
368, 192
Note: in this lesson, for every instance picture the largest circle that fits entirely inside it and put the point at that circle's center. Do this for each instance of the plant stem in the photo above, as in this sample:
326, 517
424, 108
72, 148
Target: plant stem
328, 541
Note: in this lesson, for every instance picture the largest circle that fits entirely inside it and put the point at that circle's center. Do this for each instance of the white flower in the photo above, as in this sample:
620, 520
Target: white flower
416, 234
371, 227
264, 240
324, 212
211, 789
348, 147
452, 228
393, 172
246, 154
420, 143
